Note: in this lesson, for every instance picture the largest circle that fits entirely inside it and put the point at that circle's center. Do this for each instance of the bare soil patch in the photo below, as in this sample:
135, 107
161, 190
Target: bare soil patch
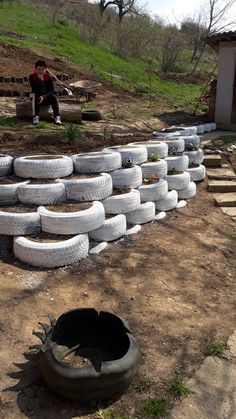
70, 207
174, 282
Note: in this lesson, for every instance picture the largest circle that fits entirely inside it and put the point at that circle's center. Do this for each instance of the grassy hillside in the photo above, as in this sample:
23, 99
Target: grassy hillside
34, 25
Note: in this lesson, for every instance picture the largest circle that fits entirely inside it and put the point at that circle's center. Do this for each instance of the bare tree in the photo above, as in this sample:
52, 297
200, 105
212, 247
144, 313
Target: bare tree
124, 6
193, 29
214, 22
171, 44
55, 5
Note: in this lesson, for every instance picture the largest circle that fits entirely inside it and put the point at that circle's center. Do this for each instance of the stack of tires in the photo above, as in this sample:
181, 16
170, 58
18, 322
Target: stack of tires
35, 192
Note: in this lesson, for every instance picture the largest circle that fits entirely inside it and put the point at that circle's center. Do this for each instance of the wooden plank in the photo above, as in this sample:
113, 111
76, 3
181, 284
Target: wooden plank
225, 199
212, 160
222, 186
221, 174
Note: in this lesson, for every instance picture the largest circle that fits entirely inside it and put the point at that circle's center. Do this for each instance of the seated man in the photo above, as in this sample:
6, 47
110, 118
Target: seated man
43, 92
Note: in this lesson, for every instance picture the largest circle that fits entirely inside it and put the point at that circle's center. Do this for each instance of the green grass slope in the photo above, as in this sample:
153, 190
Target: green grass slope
35, 25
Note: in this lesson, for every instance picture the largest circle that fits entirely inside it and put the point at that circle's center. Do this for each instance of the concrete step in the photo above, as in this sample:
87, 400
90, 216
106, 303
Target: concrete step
221, 174
222, 186
230, 211
212, 160
225, 199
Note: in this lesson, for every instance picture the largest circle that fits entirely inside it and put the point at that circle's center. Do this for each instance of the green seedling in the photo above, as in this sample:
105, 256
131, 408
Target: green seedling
143, 385
216, 348
177, 388
72, 132
156, 408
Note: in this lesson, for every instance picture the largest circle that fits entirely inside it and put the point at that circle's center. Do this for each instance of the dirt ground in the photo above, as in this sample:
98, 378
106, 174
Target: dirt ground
174, 282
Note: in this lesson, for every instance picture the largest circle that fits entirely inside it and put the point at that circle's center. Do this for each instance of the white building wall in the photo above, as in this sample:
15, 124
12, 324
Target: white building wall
225, 82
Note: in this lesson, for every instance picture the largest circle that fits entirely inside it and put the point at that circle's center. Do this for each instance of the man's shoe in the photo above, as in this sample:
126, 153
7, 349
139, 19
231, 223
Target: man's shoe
36, 120
58, 120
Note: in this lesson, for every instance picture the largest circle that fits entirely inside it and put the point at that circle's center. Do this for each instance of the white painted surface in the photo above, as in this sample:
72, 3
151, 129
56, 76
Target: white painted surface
225, 83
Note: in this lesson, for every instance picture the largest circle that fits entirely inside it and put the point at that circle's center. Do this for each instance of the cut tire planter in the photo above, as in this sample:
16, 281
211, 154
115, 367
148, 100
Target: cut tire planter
168, 203
139, 154
91, 189
129, 178
158, 168
123, 203
191, 140
51, 255
207, 127
143, 214
44, 194
179, 181
6, 165
177, 143
200, 129
197, 173
91, 332
195, 157
154, 191
97, 162
112, 229
72, 222
9, 194
13, 224
91, 115
43, 166
159, 147
179, 163
188, 192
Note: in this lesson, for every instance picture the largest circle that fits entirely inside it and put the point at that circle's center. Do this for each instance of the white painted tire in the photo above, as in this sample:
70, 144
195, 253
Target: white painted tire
159, 147
207, 127
51, 255
158, 168
96, 162
19, 223
143, 214
179, 163
130, 177
191, 140
188, 192
177, 143
72, 222
197, 173
112, 229
177, 182
195, 157
8, 193
6, 245
51, 168
6, 165
43, 194
192, 130
200, 129
168, 203
123, 203
138, 154
91, 189
154, 191
166, 134
213, 126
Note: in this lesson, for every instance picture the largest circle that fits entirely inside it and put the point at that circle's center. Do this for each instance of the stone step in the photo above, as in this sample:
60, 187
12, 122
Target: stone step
225, 199
212, 160
221, 174
222, 186
231, 211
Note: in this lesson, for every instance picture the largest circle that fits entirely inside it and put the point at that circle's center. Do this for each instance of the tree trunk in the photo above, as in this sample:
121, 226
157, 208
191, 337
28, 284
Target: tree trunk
69, 112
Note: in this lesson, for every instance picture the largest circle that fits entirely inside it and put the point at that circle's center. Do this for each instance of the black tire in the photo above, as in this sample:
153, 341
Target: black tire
91, 382
92, 115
